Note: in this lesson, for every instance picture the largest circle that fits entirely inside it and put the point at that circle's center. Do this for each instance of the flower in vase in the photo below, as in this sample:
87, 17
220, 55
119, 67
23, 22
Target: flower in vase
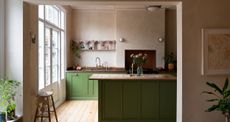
139, 59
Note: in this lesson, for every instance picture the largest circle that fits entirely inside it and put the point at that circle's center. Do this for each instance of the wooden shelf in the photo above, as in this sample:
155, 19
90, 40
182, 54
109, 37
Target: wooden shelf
98, 45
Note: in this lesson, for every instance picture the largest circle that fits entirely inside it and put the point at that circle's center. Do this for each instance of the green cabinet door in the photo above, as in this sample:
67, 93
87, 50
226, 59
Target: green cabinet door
79, 87
92, 91
137, 101
68, 84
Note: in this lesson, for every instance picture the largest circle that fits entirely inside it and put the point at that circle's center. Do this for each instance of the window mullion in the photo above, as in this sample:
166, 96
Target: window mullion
51, 25
44, 48
51, 60
60, 55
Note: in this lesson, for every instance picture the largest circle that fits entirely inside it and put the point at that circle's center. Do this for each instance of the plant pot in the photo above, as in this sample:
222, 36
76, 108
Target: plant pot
2, 117
170, 66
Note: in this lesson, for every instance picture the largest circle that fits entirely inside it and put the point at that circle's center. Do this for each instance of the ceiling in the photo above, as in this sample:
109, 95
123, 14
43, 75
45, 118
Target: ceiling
106, 4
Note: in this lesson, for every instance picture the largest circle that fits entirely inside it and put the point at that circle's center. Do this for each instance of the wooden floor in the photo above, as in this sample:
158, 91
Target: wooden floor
78, 111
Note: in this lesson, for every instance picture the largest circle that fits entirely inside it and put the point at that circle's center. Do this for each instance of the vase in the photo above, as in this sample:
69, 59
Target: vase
139, 70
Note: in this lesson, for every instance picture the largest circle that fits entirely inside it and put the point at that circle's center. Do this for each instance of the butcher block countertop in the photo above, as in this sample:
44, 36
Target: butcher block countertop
99, 70
133, 77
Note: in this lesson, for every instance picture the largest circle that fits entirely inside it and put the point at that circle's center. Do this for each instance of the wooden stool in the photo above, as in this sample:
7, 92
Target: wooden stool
43, 106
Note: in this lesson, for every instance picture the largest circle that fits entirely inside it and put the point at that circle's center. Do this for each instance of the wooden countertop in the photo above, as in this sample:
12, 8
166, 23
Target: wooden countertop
100, 70
134, 77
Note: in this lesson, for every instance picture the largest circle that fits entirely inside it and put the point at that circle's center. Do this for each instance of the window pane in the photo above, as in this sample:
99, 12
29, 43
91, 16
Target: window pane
47, 37
41, 55
48, 13
47, 56
47, 47
62, 20
62, 55
47, 75
41, 76
55, 73
41, 11
55, 55
55, 39
52, 15
41, 34
55, 16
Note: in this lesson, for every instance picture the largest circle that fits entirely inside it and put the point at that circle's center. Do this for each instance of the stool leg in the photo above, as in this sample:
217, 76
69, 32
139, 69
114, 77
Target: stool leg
54, 108
48, 109
35, 117
42, 112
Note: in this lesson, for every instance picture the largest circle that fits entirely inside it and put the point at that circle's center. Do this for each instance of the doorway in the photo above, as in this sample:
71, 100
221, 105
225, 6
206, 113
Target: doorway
178, 6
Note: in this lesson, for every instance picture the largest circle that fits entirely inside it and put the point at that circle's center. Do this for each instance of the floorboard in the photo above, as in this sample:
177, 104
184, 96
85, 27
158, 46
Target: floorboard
77, 111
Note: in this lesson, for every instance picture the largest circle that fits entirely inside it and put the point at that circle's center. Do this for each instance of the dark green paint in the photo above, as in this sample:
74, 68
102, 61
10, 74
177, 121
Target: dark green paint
137, 101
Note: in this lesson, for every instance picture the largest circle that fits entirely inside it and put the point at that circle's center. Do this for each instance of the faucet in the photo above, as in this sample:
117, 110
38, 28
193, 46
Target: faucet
98, 62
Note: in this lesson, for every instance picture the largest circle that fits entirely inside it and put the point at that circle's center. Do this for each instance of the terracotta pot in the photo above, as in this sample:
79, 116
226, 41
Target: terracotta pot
170, 66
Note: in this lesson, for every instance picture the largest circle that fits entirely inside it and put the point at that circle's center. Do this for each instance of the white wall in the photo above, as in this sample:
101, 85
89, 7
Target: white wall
196, 15
2, 45
14, 44
30, 63
170, 31
94, 25
141, 29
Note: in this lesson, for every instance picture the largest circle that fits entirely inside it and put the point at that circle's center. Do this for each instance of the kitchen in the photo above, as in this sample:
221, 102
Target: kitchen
113, 59
94, 31
19, 56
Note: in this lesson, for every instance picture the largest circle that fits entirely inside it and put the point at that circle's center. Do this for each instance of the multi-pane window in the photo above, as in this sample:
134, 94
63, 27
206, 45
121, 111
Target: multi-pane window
51, 45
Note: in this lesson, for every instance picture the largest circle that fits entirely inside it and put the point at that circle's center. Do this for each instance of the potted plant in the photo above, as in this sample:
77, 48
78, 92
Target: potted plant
221, 100
75, 46
8, 90
170, 61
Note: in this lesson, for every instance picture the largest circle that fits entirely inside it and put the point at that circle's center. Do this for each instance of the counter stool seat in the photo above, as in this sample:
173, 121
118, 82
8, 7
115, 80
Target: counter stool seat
44, 103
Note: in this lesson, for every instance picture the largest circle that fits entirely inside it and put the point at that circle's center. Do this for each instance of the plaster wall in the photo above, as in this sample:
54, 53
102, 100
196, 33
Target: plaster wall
139, 29
196, 14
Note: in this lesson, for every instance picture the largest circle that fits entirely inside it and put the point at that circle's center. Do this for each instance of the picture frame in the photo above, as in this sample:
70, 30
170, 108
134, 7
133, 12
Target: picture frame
215, 51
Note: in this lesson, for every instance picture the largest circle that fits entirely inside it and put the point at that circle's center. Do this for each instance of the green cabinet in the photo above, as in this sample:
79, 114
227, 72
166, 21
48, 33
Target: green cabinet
79, 87
137, 101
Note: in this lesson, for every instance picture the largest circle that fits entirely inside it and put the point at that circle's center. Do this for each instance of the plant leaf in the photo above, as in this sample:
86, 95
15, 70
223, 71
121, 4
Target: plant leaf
215, 87
208, 92
226, 93
212, 108
212, 100
225, 85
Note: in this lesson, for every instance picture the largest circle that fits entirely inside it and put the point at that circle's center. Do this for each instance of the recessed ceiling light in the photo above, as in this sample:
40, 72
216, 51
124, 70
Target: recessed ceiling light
152, 8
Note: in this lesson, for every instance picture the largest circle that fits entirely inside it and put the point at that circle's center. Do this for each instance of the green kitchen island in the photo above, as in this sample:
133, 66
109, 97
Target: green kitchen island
146, 98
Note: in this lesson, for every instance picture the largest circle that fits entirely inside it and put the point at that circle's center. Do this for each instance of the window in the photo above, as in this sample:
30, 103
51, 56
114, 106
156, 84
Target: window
51, 45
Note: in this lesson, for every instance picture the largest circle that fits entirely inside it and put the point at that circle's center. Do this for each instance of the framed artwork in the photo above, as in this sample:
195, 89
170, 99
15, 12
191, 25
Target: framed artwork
215, 51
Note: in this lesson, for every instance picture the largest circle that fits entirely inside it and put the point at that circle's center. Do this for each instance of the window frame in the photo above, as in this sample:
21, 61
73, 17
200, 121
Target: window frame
59, 30
2, 42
